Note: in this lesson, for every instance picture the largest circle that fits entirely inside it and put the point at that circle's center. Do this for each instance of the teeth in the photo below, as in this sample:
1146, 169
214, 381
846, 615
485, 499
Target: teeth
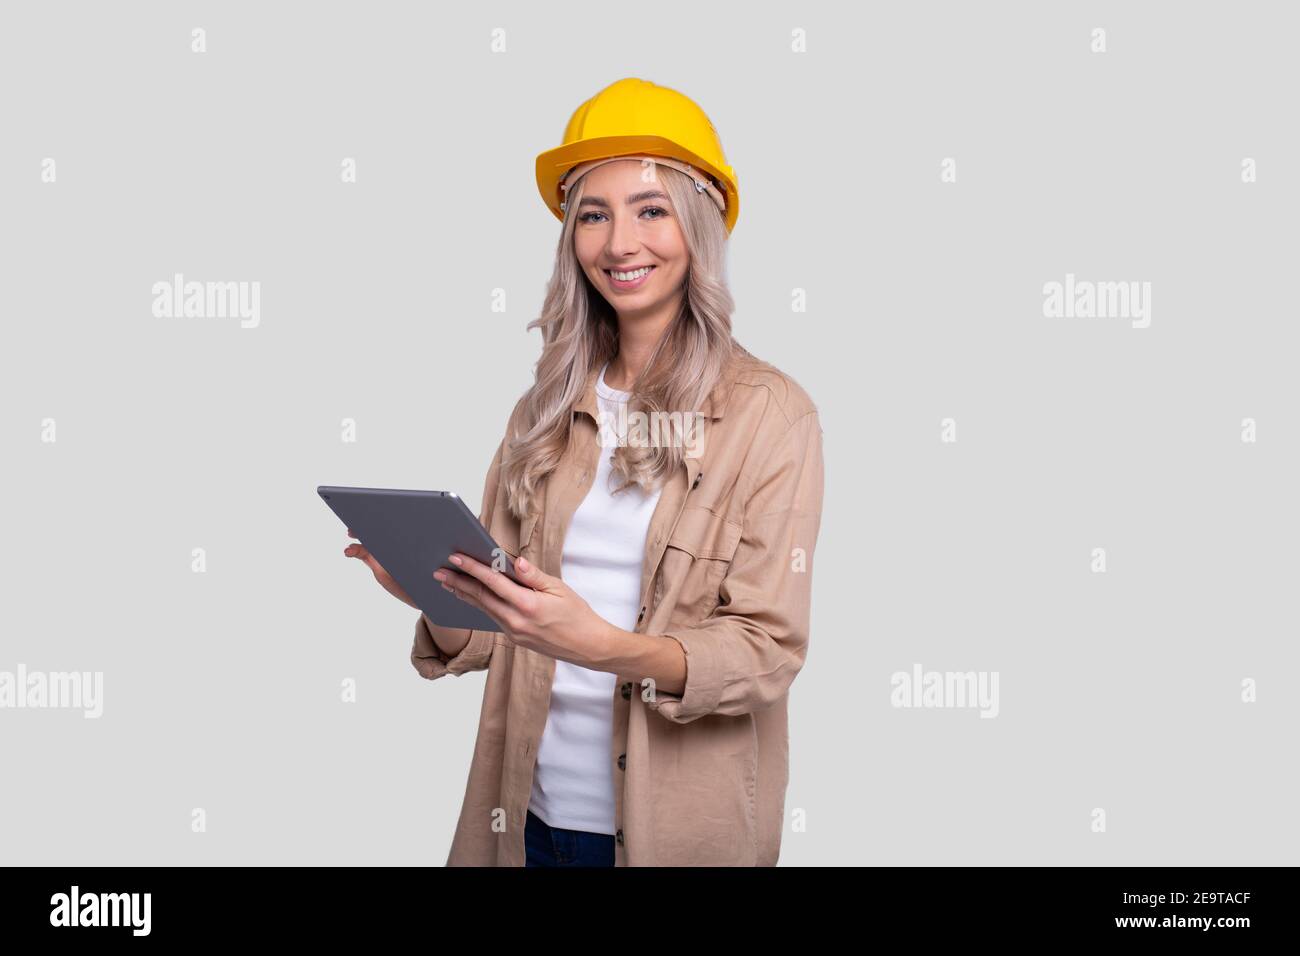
629, 276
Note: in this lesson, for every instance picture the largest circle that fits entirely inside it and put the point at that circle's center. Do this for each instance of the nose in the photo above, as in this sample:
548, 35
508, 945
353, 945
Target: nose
623, 238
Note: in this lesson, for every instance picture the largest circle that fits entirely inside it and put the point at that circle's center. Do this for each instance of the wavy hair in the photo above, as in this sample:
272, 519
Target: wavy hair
580, 334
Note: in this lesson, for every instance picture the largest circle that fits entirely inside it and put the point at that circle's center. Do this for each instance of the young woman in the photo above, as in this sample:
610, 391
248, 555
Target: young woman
661, 490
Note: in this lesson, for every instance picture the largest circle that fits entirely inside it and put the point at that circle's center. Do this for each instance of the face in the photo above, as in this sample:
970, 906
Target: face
625, 224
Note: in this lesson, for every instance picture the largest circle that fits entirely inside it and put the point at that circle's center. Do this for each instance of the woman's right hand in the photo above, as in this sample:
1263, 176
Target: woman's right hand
358, 550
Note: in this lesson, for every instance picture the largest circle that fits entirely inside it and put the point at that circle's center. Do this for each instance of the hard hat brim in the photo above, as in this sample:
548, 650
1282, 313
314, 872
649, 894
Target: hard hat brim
554, 164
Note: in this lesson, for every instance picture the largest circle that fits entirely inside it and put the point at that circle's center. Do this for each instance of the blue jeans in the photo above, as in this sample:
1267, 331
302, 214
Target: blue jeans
545, 845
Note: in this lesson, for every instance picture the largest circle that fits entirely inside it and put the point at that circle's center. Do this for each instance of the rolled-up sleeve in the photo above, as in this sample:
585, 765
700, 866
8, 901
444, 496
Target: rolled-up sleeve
432, 663
745, 655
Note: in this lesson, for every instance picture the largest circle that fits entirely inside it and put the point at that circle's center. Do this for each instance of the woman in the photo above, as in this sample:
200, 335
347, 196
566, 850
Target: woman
635, 705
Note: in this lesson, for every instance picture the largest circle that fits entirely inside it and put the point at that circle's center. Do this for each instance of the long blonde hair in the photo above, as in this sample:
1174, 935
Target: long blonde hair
580, 334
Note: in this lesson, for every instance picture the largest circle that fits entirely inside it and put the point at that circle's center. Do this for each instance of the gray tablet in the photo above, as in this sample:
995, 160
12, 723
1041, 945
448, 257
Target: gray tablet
412, 534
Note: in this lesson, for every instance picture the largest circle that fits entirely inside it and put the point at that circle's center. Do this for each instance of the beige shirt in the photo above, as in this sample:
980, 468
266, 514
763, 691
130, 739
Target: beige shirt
700, 777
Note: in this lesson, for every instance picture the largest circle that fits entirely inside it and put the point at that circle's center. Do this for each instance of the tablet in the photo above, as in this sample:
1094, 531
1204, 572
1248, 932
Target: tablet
412, 534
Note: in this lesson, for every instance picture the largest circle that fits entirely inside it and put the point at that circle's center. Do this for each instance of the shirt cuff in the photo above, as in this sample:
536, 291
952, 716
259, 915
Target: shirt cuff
431, 662
703, 689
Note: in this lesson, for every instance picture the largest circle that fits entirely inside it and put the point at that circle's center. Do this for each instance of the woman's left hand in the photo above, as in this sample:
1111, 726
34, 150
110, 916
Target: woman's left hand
547, 616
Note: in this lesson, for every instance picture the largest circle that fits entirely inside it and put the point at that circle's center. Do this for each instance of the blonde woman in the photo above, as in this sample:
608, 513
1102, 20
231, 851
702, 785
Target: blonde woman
661, 489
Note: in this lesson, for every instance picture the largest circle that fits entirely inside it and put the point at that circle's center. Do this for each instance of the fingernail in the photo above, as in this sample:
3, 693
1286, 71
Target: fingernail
456, 560
440, 575
522, 564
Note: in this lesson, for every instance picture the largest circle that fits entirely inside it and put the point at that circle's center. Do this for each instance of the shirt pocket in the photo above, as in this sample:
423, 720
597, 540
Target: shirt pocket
695, 561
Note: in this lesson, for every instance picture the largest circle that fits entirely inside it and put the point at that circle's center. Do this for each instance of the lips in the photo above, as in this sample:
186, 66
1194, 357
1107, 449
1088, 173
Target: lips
627, 284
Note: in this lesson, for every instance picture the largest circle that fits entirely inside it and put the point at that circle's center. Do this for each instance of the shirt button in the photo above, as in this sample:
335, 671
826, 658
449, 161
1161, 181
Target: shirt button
622, 761
619, 837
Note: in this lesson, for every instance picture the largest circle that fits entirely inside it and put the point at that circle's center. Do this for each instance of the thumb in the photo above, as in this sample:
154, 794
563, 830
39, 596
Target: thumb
531, 575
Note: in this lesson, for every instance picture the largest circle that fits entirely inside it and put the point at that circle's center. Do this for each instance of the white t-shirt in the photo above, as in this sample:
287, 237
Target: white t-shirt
573, 782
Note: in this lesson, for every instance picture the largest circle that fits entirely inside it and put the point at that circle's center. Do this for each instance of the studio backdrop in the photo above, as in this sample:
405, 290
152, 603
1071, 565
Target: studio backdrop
1034, 263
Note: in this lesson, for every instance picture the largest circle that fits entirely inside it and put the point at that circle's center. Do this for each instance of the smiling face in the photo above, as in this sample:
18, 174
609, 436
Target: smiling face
629, 242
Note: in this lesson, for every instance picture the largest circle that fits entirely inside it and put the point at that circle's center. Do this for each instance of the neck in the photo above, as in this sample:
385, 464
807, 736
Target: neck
637, 337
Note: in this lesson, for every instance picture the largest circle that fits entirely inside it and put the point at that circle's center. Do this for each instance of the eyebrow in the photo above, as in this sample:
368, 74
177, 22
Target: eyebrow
634, 198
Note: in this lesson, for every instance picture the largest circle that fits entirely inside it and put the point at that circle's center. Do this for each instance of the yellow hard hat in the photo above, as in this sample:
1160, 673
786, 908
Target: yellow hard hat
637, 117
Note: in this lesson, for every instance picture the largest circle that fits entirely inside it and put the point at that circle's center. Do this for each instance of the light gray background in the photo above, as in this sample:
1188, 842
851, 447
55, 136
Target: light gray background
222, 690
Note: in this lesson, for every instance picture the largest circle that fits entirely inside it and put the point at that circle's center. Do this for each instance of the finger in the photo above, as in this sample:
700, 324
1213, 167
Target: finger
500, 584
360, 552
533, 576
472, 591
374, 565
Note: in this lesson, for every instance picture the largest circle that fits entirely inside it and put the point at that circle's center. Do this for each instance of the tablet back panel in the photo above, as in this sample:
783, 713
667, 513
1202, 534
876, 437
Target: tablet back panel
411, 534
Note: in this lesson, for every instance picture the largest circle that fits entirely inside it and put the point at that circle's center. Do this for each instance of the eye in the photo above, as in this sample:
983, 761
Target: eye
589, 217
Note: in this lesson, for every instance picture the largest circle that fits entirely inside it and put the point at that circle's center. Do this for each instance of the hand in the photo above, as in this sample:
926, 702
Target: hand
546, 615
358, 550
